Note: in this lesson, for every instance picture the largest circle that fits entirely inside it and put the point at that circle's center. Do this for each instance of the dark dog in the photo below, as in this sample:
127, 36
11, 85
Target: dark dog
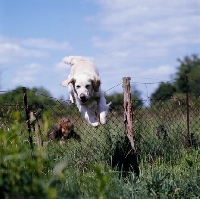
125, 159
64, 130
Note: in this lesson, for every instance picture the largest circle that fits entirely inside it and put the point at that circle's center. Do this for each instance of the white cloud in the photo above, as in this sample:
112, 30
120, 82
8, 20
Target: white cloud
157, 72
11, 53
154, 24
46, 44
13, 49
28, 74
60, 66
40, 43
23, 80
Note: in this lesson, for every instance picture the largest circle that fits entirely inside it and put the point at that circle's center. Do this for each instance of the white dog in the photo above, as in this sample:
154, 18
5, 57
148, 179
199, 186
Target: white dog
84, 87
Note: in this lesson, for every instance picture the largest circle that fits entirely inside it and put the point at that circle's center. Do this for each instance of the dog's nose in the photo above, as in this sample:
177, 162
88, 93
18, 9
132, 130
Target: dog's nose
83, 97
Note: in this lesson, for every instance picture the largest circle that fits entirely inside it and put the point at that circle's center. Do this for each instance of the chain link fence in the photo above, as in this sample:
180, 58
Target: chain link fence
161, 130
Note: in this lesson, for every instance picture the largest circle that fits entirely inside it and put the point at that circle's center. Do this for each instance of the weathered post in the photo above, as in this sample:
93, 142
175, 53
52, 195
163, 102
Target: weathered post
188, 117
36, 127
27, 117
128, 112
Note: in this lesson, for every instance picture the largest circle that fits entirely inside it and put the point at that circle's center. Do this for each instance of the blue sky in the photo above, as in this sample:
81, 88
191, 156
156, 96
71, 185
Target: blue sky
140, 39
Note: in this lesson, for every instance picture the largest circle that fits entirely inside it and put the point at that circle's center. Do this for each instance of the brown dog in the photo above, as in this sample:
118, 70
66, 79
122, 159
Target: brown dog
63, 130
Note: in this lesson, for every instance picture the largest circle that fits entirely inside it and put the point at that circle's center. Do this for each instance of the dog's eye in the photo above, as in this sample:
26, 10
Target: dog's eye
78, 86
87, 86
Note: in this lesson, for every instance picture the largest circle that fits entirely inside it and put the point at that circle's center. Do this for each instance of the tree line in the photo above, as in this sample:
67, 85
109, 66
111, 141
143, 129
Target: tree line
189, 67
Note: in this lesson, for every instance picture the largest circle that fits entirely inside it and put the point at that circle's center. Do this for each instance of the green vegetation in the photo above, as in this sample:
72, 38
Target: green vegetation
168, 168
51, 172
38, 96
190, 67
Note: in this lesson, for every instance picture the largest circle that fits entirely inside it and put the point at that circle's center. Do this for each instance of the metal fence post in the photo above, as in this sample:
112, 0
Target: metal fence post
27, 117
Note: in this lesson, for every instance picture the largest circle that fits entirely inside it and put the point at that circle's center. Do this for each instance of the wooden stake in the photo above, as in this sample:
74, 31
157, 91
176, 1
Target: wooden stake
128, 112
27, 117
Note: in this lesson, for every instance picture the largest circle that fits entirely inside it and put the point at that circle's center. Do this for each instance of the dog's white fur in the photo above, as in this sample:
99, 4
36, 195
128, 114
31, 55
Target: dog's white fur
84, 86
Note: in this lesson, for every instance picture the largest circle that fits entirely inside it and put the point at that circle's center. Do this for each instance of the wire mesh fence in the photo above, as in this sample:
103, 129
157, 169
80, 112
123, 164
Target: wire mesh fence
161, 129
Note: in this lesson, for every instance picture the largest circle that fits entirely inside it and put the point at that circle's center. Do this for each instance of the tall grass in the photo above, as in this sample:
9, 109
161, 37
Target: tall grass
75, 170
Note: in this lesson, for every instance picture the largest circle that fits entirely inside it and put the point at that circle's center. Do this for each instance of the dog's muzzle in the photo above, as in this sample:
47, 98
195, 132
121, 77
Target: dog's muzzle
83, 98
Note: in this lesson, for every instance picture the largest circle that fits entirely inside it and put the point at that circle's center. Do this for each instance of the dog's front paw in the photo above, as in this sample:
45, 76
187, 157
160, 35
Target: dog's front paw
95, 124
103, 117
103, 120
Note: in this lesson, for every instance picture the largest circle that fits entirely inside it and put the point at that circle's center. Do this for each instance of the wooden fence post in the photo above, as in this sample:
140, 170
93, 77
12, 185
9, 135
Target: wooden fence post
36, 127
188, 112
27, 117
128, 112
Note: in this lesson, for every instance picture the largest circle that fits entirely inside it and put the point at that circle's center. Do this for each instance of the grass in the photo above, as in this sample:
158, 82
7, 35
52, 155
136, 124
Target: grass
168, 168
83, 171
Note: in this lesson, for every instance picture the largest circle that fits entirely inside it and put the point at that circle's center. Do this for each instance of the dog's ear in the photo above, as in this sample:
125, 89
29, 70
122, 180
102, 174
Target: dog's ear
96, 83
67, 82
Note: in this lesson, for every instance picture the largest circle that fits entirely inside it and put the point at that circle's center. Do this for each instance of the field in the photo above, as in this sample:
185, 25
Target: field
168, 166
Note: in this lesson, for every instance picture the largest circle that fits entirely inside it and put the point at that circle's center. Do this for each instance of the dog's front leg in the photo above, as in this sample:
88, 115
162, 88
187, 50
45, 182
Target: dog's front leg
72, 98
71, 95
102, 109
89, 115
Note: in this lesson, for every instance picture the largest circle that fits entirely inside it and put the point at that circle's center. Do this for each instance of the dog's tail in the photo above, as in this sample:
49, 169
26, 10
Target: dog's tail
71, 60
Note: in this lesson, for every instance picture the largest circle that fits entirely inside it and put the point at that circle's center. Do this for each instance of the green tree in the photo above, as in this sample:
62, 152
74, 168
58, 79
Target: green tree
0, 80
163, 92
39, 100
117, 99
189, 66
36, 96
194, 80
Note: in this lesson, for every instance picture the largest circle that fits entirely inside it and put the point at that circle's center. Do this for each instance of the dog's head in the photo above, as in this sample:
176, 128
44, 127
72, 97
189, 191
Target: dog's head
65, 126
84, 86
